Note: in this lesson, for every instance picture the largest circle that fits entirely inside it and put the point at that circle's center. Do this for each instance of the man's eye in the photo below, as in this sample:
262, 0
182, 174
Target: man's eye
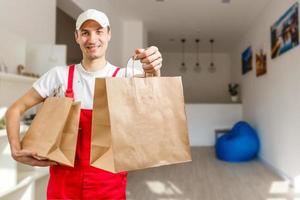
99, 32
84, 33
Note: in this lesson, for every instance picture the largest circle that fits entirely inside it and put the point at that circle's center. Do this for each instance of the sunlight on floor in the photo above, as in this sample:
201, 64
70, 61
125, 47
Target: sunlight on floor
167, 188
279, 187
283, 188
297, 185
171, 199
276, 199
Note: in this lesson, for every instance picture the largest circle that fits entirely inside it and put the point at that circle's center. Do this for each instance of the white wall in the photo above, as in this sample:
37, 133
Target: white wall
40, 58
12, 50
34, 20
24, 22
203, 119
133, 37
271, 103
204, 86
145, 37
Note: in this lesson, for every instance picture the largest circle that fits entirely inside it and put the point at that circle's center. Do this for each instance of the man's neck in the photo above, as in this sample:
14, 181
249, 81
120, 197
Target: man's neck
93, 65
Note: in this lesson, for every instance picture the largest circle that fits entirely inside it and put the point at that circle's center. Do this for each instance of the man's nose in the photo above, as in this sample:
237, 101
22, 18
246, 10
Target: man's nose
93, 37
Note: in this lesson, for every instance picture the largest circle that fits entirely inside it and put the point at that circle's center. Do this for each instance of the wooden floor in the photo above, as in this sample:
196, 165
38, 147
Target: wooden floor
206, 178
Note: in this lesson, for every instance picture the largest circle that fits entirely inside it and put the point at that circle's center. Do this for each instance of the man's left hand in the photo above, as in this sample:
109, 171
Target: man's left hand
151, 59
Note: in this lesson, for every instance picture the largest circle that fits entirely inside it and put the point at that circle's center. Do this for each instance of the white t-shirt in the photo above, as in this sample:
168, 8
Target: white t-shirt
83, 82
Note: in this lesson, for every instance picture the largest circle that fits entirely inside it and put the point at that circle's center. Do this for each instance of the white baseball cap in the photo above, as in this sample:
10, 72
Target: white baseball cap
92, 14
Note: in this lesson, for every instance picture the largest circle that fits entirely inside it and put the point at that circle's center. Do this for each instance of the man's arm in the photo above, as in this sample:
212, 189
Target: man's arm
12, 118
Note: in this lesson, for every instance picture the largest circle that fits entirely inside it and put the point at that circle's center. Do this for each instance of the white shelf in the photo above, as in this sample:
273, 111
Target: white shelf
25, 179
36, 174
16, 77
20, 181
19, 191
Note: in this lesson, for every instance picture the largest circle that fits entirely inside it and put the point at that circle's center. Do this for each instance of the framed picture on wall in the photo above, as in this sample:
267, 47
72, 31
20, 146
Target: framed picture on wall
285, 32
247, 60
261, 62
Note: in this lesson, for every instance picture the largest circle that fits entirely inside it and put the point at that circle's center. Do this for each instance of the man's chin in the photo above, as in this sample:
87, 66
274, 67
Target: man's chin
94, 57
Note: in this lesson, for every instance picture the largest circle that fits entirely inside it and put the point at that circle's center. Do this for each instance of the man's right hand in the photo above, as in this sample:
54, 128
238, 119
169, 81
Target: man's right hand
27, 157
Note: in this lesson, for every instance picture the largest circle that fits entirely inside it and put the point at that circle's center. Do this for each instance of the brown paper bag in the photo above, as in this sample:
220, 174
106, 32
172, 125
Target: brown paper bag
54, 130
138, 123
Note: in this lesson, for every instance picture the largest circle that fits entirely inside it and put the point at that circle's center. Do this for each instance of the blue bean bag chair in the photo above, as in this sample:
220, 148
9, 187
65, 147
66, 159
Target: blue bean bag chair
240, 144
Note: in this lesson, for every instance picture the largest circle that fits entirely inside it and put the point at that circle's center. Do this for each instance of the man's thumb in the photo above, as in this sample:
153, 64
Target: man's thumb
139, 50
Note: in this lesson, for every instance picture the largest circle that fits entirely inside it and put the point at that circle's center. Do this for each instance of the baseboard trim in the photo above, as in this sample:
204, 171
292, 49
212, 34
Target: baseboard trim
277, 171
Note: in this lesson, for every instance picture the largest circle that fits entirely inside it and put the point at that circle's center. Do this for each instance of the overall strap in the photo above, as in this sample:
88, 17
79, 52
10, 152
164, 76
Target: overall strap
116, 71
69, 91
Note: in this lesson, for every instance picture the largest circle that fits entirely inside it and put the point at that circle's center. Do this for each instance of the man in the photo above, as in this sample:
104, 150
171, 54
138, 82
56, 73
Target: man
93, 34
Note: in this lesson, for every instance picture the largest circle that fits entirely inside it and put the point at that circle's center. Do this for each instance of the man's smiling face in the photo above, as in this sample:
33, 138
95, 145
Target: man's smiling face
93, 39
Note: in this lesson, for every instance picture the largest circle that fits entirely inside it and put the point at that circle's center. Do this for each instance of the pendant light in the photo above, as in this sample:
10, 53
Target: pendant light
212, 67
183, 68
197, 67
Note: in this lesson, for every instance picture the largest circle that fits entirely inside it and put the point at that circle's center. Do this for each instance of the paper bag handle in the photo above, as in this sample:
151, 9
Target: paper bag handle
133, 59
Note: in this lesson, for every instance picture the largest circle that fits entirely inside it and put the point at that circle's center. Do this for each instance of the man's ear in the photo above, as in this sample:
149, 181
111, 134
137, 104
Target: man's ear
109, 33
76, 36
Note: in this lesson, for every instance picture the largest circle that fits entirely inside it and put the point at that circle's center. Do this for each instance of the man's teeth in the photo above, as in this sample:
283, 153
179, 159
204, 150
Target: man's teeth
90, 47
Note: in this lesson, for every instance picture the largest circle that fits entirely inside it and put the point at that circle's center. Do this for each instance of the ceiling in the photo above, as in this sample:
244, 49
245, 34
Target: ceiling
168, 21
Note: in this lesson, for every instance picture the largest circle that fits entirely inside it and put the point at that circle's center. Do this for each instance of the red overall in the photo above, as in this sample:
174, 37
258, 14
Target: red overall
84, 181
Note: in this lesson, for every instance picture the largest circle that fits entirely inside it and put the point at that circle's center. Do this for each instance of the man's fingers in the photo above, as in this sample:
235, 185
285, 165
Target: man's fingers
152, 70
25, 152
43, 163
141, 54
151, 58
154, 65
34, 162
138, 51
28, 157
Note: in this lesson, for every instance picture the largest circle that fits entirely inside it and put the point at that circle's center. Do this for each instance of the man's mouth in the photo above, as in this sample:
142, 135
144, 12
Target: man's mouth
93, 47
